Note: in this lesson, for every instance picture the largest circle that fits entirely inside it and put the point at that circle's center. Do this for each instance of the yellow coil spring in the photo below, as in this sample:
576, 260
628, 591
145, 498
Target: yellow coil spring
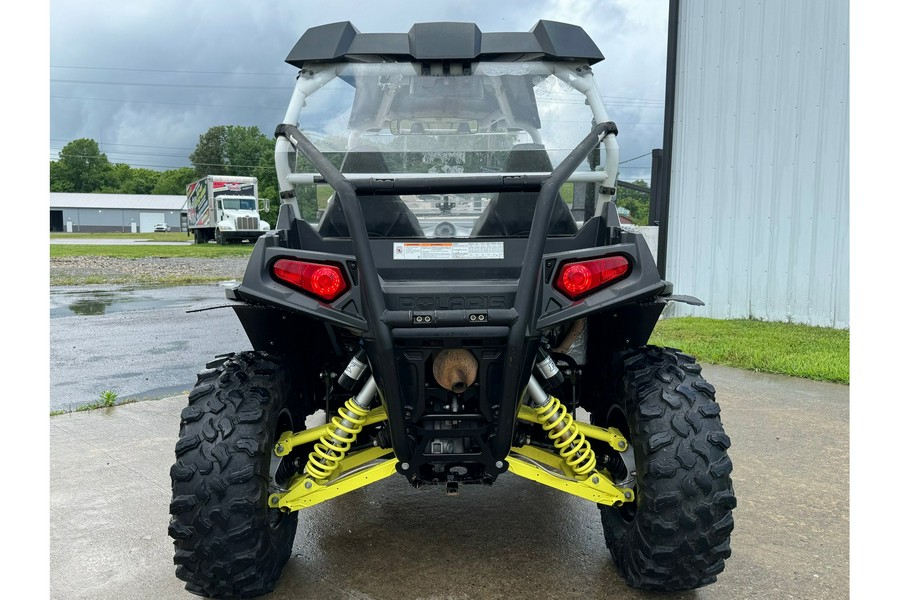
569, 441
332, 447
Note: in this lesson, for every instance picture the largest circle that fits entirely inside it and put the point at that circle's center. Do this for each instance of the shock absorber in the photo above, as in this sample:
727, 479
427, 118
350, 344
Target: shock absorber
341, 433
354, 371
562, 430
546, 366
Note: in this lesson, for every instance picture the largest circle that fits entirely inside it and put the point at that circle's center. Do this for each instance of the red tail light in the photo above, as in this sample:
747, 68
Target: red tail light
323, 281
577, 279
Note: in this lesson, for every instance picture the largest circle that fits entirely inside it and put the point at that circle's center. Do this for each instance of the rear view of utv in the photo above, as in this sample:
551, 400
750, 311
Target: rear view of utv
448, 282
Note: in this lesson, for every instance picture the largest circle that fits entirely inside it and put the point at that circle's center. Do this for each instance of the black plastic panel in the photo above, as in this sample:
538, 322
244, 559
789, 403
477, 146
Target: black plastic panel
338, 42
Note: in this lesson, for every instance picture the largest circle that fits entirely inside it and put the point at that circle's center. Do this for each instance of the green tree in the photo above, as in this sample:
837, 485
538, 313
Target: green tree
81, 168
231, 150
174, 182
637, 203
127, 180
58, 181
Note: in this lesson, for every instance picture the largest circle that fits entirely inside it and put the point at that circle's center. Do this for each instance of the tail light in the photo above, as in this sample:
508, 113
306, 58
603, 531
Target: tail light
578, 279
326, 282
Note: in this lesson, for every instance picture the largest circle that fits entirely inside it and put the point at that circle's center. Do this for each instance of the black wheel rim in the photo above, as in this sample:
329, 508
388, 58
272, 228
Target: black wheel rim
278, 475
616, 418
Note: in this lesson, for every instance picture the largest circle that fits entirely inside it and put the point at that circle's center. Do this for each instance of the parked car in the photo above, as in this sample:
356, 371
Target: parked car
160, 228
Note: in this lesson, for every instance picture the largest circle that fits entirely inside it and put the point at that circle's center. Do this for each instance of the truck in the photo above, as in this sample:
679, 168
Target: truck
224, 208
506, 333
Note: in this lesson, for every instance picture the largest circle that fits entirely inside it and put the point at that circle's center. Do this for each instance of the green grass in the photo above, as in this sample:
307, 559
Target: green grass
142, 251
811, 352
171, 236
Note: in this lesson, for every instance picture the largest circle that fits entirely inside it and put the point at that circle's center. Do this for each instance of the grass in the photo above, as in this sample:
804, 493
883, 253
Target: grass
790, 349
141, 251
108, 399
172, 236
155, 280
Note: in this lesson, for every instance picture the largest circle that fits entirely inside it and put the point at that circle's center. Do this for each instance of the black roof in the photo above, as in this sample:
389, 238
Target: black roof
340, 42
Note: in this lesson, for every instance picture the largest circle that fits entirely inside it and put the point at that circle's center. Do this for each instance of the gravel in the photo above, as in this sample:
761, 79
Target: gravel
74, 268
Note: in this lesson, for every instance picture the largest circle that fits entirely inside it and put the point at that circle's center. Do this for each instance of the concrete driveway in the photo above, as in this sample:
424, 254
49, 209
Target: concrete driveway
110, 491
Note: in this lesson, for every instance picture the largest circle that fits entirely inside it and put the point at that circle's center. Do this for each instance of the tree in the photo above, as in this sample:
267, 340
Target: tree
81, 168
58, 181
127, 180
637, 203
231, 150
174, 182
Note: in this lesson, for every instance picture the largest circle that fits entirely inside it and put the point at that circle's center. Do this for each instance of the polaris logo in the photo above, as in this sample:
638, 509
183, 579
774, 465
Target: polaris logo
451, 302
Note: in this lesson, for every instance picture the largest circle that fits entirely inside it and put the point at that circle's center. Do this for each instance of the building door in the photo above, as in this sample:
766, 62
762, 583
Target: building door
149, 220
56, 220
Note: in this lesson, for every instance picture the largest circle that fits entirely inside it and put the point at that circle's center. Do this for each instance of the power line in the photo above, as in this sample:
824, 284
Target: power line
126, 152
169, 71
651, 100
636, 157
279, 108
131, 145
171, 85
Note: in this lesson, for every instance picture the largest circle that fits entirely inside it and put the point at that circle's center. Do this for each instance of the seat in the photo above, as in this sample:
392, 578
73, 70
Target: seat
385, 216
510, 213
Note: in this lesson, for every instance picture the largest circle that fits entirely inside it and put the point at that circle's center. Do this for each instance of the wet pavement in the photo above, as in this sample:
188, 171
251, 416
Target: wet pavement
110, 491
139, 342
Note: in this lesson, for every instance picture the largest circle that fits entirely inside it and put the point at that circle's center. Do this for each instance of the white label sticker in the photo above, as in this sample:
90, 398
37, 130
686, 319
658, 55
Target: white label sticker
447, 250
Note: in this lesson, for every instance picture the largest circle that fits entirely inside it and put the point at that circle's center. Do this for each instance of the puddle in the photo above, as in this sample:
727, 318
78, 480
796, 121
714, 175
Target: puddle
97, 301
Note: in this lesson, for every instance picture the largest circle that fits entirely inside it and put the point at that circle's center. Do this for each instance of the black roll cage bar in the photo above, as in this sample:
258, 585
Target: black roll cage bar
522, 321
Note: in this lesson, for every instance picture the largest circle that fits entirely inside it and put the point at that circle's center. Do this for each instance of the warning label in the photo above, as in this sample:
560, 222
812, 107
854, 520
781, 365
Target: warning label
447, 250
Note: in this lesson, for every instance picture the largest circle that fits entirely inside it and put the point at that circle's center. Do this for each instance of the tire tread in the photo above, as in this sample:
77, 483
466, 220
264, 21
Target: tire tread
224, 545
680, 535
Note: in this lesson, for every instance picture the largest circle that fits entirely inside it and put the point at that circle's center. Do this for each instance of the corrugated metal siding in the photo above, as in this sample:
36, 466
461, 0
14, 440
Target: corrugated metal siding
759, 206
112, 201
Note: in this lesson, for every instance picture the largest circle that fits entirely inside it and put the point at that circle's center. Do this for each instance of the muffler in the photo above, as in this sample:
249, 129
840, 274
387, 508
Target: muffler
455, 369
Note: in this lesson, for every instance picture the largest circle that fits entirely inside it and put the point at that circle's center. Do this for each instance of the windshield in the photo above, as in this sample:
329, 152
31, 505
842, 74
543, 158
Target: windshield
239, 203
445, 120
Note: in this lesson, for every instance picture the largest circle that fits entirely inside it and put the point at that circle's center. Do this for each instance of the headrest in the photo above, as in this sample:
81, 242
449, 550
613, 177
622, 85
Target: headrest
364, 159
526, 158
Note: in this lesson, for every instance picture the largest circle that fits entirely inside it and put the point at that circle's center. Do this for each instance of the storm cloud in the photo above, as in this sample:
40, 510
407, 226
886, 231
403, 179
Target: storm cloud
146, 79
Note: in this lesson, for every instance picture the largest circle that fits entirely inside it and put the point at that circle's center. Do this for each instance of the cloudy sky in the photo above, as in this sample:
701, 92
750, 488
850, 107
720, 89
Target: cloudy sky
146, 79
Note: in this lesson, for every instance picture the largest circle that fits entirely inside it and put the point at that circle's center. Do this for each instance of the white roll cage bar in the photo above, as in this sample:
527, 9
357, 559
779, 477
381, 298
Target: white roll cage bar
309, 81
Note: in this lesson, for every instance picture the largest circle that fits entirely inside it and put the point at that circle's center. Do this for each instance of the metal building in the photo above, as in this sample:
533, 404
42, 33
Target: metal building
138, 213
757, 136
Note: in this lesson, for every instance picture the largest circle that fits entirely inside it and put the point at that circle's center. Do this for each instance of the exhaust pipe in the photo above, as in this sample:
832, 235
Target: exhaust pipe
455, 369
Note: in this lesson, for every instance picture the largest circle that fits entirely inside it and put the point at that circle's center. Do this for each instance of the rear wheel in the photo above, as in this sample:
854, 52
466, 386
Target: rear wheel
676, 535
228, 542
